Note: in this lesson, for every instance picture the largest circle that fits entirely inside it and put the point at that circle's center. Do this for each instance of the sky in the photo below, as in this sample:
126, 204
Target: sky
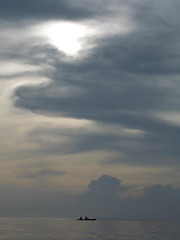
90, 108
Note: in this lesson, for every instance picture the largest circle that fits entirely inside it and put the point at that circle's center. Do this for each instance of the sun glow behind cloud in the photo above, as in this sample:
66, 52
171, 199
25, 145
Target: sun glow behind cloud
65, 36
70, 38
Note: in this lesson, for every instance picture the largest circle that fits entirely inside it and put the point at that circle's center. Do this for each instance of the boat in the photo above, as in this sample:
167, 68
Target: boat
89, 219
86, 219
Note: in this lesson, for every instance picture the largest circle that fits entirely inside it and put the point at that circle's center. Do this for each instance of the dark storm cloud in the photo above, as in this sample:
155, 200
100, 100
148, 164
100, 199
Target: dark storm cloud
121, 81
119, 77
41, 9
107, 91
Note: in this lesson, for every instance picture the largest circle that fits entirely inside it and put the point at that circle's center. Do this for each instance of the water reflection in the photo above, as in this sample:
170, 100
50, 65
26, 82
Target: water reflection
70, 229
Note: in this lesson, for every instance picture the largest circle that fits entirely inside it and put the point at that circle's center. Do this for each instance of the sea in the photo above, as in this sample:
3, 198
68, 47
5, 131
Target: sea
70, 229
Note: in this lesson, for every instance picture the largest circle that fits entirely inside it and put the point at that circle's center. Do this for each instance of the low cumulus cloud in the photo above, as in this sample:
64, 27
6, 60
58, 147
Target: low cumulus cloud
102, 199
104, 189
157, 202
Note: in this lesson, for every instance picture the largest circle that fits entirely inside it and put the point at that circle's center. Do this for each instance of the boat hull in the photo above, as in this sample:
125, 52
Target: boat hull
90, 219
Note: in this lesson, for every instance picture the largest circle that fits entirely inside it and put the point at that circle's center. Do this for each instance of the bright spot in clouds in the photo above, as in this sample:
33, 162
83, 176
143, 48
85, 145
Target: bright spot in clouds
70, 37
66, 36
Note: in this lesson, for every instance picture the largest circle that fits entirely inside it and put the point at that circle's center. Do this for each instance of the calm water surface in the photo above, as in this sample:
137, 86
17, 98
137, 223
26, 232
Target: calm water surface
67, 229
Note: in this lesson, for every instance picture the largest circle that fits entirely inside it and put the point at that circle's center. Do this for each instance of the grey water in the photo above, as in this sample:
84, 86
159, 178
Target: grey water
53, 229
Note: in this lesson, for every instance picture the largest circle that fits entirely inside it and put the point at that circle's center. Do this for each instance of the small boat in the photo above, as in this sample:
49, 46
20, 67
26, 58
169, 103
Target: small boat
89, 219
86, 219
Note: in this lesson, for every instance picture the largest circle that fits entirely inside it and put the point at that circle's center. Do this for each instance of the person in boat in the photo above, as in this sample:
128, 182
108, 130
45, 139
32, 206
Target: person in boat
81, 218
86, 218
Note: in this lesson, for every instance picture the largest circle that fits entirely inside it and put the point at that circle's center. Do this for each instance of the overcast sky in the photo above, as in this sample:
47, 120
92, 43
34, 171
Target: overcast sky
90, 108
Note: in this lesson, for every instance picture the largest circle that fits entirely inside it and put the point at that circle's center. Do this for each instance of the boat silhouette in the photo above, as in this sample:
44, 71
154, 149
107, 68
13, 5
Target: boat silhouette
86, 219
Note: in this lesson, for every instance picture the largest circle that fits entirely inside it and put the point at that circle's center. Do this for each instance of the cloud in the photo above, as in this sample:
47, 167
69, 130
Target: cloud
125, 80
104, 187
157, 202
41, 9
160, 202
128, 69
101, 197
41, 173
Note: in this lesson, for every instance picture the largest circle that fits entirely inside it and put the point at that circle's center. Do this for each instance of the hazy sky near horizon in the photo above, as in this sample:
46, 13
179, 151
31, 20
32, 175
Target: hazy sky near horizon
89, 89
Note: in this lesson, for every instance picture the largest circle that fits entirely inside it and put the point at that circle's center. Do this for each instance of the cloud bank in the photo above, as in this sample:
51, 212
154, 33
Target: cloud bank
127, 79
104, 198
